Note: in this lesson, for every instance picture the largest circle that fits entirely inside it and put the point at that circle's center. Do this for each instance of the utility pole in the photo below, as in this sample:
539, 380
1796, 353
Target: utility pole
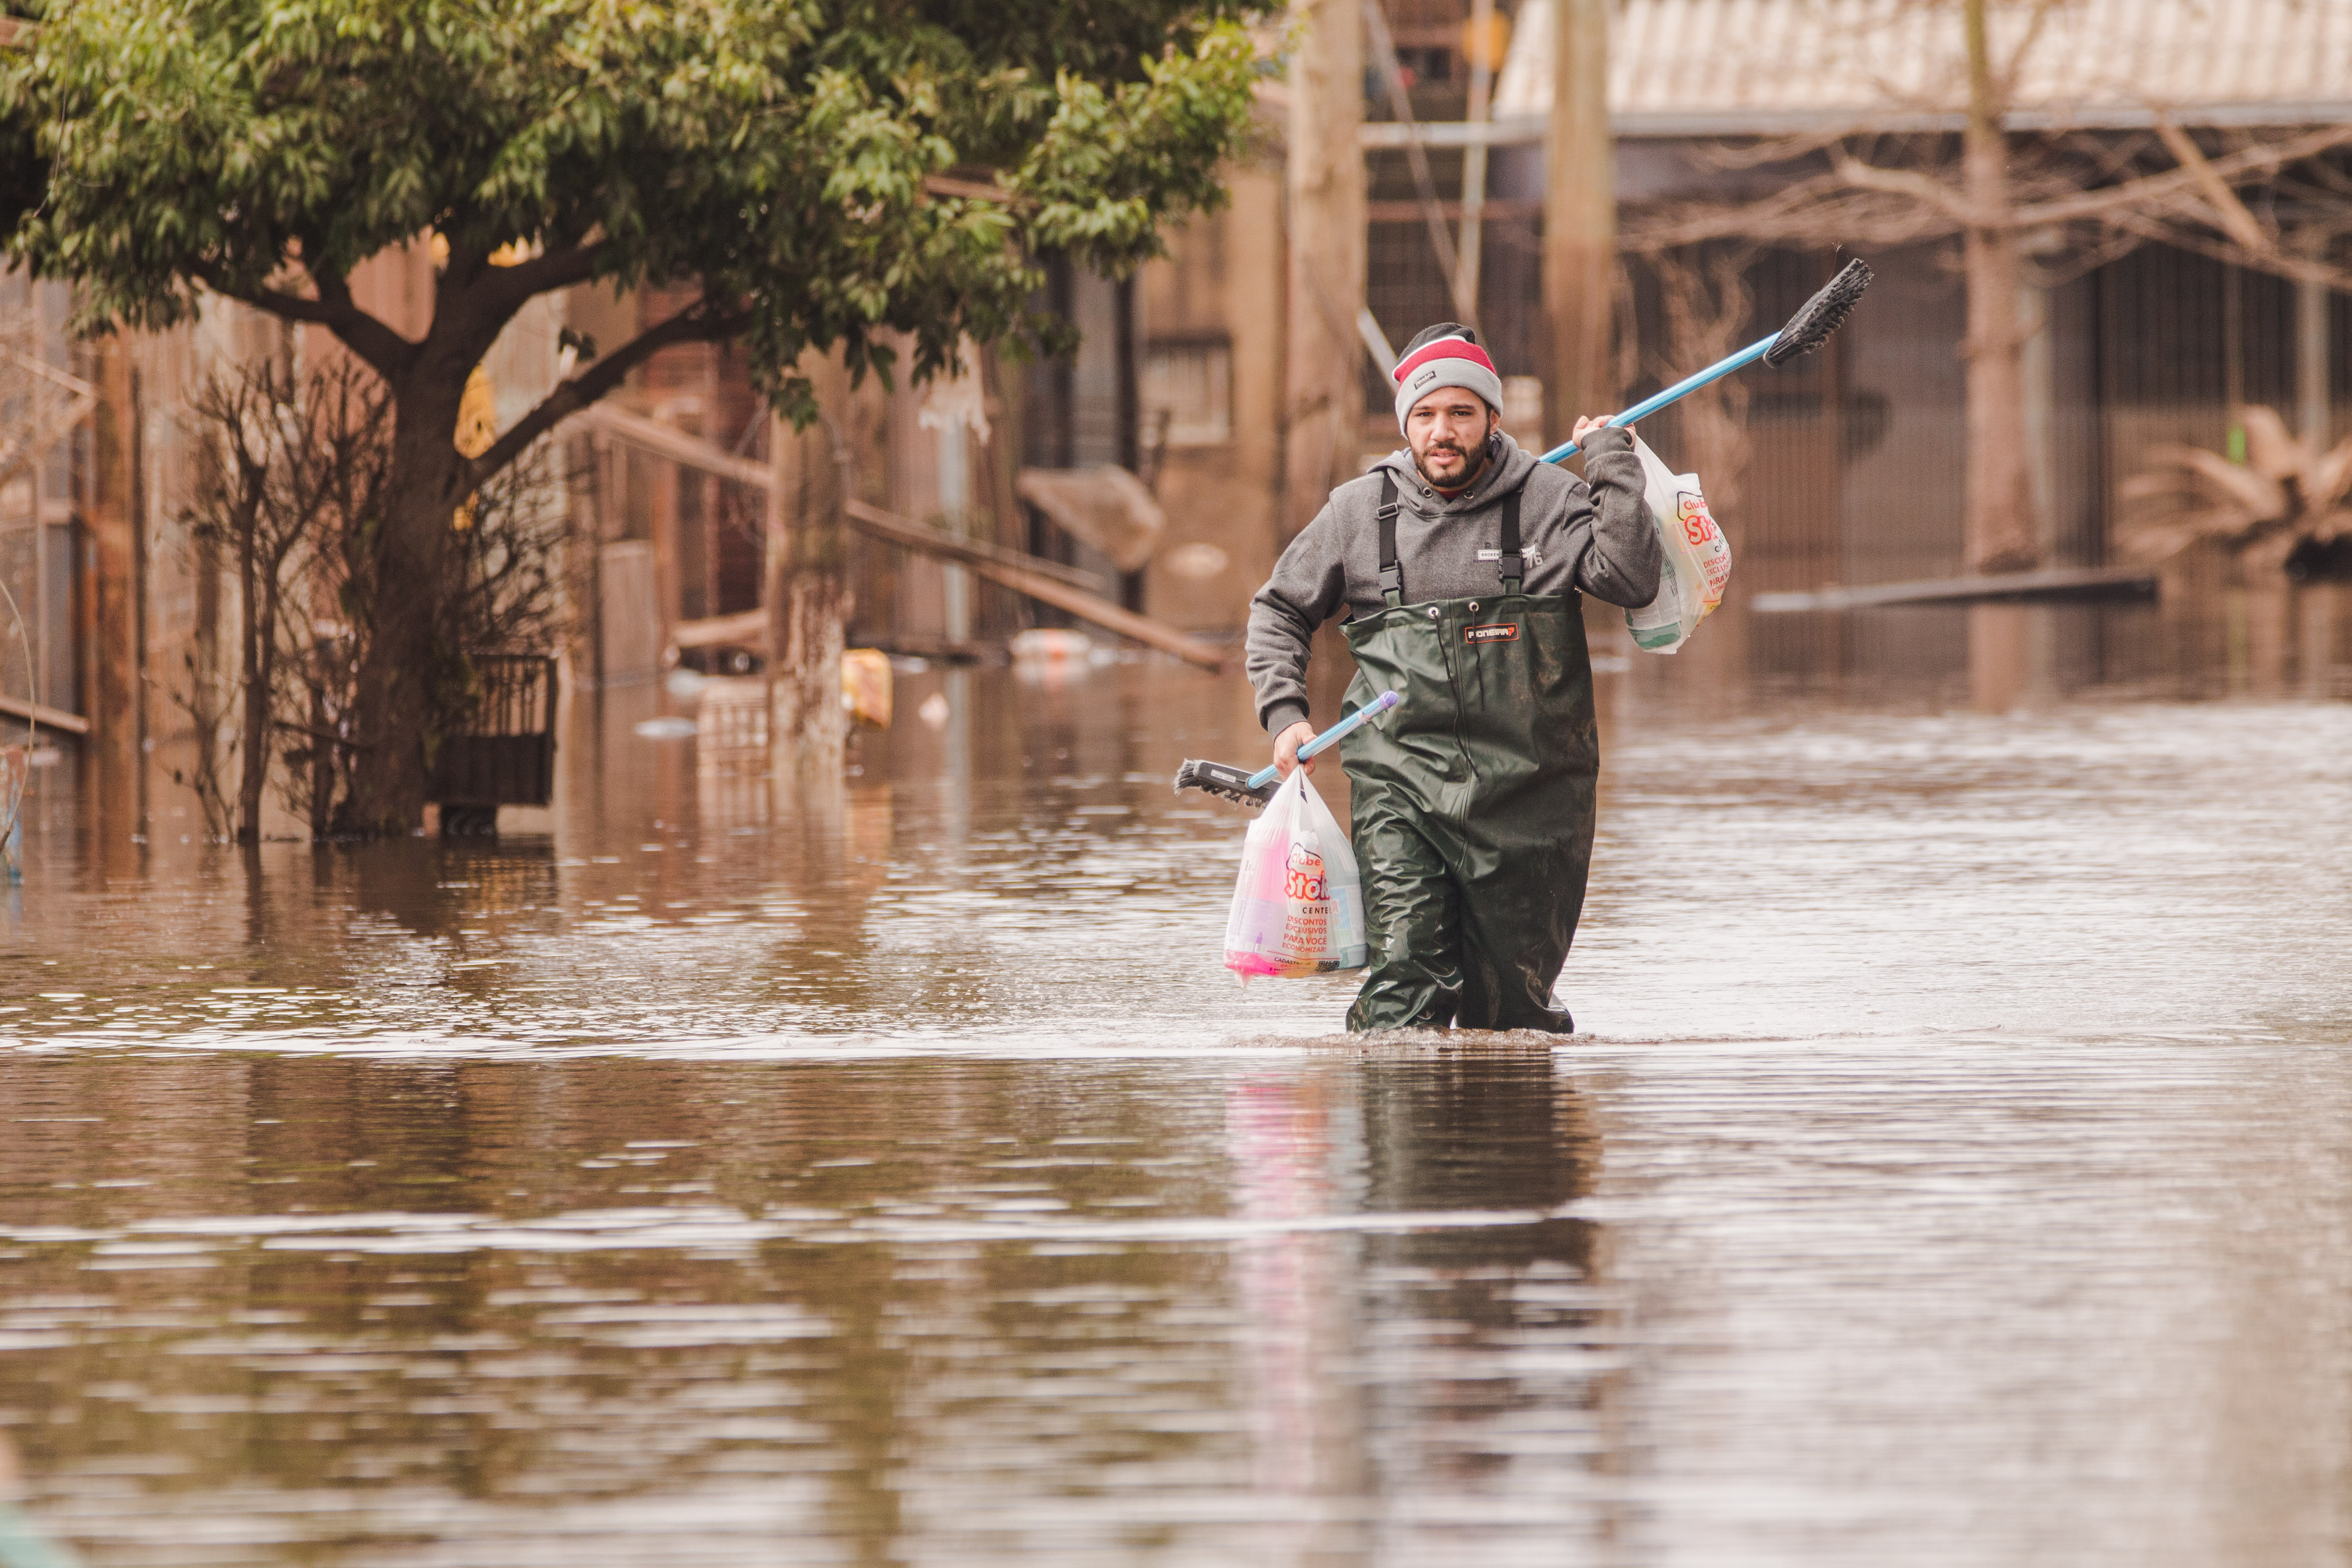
2315, 422
2000, 526
1126, 303
1323, 378
1579, 241
2002, 531
1484, 57
806, 592
2312, 377
111, 684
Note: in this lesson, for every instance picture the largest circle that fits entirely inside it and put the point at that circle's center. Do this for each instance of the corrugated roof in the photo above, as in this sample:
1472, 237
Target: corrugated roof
1725, 66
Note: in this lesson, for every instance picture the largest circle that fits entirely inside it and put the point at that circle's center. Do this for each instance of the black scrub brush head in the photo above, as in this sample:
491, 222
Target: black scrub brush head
1821, 315
1225, 781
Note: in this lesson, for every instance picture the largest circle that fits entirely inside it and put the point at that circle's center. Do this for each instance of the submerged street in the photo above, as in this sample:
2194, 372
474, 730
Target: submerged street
1949, 1167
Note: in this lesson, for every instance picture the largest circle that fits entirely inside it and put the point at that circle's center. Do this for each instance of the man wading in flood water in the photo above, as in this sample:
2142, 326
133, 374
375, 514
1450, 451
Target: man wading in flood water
1460, 564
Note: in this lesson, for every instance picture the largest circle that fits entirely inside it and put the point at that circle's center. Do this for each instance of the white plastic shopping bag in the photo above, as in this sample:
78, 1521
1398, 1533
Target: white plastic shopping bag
1697, 558
1298, 905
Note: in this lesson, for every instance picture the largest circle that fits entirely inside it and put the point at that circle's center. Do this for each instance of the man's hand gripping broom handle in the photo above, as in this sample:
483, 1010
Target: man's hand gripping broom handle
1330, 738
1807, 330
1256, 788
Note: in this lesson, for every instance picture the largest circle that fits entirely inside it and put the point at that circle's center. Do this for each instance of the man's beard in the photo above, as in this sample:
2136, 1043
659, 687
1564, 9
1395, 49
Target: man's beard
1474, 465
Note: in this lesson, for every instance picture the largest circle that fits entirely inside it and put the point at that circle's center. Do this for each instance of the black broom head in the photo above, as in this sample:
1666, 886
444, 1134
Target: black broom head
1821, 315
1224, 780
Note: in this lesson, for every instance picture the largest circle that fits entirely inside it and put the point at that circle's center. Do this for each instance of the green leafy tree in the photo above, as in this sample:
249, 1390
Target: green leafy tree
813, 175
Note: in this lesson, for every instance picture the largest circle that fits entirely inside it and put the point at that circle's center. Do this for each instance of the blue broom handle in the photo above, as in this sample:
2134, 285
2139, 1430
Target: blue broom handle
1676, 392
1331, 737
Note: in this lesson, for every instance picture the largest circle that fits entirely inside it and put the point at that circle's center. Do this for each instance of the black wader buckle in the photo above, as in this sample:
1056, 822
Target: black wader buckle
1391, 570
1509, 565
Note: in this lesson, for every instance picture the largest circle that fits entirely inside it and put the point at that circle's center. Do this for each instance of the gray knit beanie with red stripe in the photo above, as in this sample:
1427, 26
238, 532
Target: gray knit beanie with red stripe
1446, 355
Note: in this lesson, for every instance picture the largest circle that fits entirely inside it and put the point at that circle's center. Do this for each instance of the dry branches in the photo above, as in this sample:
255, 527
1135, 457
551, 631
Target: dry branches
292, 487
1703, 296
2287, 497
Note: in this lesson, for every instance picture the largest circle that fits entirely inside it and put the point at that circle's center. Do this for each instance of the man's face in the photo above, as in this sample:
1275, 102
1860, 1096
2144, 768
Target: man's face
1447, 431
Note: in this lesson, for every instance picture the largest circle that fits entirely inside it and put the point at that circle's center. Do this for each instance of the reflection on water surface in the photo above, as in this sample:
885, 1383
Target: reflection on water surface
1953, 1172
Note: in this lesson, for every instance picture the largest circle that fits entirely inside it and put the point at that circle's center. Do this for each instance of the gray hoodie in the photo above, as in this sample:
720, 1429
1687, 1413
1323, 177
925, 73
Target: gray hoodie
1610, 551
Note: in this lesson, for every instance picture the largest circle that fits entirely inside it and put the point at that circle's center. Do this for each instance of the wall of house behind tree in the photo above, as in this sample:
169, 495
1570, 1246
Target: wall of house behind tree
1070, 413
1212, 329
39, 544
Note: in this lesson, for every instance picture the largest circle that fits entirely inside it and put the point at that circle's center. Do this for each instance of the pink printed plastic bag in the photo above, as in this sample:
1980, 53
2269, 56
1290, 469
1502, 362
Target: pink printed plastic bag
1697, 558
1298, 903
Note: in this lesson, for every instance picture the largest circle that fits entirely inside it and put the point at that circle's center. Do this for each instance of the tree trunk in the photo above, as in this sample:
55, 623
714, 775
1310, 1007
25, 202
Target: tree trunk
256, 626
2002, 531
1323, 401
322, 770
1579, 239
108, 607
407, 663
1126, 300
2270, 633
206, 705
2315, 637
807, 595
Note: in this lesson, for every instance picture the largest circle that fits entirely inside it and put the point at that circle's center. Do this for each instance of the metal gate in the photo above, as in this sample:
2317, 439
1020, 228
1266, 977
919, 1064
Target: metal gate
505, 755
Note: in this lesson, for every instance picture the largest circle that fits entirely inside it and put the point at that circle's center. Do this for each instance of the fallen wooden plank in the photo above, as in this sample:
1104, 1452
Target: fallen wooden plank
652, 435
745, 629
1048, 583
693, 452
2062, 585
46, 717
879, 523
749, 629
1103, 613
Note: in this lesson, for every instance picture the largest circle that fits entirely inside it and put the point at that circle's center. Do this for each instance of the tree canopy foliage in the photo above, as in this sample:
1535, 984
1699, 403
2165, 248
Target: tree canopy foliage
818, 171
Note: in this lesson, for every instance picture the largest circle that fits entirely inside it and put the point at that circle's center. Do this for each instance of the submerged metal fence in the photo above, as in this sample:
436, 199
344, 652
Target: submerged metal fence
505, 755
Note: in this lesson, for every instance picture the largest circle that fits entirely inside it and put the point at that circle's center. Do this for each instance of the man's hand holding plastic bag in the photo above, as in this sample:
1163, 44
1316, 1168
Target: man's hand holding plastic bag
1697, 558
1298, 903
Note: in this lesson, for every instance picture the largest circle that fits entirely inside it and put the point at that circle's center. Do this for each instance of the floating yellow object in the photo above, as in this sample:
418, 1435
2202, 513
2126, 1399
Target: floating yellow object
1488, 45
865, 685
477, 426
478, 415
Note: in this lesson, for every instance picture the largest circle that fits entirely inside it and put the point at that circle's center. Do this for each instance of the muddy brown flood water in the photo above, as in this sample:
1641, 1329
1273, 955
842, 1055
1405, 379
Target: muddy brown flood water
1953, 1170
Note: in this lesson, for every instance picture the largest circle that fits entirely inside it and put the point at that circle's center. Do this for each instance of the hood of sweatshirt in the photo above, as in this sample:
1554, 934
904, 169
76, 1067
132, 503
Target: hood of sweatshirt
1507, 466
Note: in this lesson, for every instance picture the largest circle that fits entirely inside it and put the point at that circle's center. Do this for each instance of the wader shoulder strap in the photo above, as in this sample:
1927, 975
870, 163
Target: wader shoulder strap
1391, 574
1508, 565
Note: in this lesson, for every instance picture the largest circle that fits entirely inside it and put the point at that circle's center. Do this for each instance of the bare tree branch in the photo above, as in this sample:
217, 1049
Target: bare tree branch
1857, 201
1904, 182
2008, 74
704, 322
1811, 213
386, 351
2148, 190
1705, 298
2229, 214
2201, 241
511, 287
